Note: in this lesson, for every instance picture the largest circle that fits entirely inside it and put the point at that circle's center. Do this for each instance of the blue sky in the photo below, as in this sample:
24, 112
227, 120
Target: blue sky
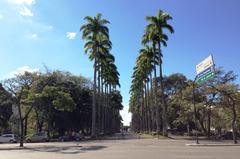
37, 32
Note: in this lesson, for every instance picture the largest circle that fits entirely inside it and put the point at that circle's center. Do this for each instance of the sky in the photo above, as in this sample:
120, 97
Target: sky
34, 33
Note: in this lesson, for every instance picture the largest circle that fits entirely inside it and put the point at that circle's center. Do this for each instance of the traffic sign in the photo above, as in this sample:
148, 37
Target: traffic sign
205, 64
205, 77
205, 70
203, 73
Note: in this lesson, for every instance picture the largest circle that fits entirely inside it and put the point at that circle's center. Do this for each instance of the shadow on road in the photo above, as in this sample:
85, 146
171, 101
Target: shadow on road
58, 149
66, 149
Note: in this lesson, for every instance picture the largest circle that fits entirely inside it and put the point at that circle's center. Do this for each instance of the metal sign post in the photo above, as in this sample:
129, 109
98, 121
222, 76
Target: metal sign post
195, 110
205, 71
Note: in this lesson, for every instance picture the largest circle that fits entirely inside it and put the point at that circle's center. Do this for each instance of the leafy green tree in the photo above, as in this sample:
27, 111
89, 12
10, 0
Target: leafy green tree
18, 87
5, 108
228, 95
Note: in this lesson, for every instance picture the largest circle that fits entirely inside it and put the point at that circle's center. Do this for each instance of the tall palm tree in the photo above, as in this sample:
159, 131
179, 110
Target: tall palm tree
136, 95
94, 28
151, 62
155, 30
104, 46
110, 78
139, 89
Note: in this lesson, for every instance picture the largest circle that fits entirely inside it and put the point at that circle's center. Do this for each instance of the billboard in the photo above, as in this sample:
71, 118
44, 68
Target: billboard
205, 64
205, 70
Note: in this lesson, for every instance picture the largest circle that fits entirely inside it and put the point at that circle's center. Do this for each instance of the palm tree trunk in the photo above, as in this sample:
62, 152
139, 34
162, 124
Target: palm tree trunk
103, 107
148, 106
93, 132
99, 100
155, 101
152, 103
164, 117
110, 109
143, 118
105, 112
145, 106
157, 119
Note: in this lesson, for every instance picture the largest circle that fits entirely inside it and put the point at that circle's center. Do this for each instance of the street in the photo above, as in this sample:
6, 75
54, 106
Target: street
120, 149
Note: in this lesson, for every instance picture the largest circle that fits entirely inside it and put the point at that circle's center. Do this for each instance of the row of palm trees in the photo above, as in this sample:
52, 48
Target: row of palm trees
106, 77
145, 104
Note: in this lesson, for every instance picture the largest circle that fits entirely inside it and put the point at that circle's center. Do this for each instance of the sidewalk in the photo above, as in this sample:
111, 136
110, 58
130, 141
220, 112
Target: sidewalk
29, 146
213, 143
11, 147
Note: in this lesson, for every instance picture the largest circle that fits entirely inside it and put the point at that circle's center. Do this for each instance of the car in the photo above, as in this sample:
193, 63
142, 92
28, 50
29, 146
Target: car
76, 137
64, 138
229, 135
8, 138
38, 137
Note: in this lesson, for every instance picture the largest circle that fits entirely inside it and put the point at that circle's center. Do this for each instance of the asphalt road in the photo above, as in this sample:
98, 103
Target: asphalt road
120, 149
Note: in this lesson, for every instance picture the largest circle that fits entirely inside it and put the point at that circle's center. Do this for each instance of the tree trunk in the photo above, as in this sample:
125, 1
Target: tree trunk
148, 107
155, 101
107, 110
110, 109
50, 120
234, 123
153, 121
103, 106
99, 106
164, 117
21, 132
209, 122
188, 128
143, 114
157, 119
25, 125
40, 121
21, 122
93, 132
18, 102
201, 123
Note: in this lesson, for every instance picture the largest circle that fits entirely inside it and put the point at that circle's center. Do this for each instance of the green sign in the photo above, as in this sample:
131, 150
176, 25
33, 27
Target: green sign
205, 77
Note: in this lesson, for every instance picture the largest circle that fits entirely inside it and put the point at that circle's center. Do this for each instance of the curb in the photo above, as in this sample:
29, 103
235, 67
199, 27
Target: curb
209, 145
14, 148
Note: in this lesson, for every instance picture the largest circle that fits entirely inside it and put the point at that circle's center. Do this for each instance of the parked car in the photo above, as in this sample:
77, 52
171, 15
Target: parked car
8, 138
229, 136
75, 137
38, 137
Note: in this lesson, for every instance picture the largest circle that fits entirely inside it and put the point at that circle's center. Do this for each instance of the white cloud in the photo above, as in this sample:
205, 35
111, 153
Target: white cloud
26, 12
21, 70
126, 116
71, 35
34, 36
50, 27
27, 2
24, 5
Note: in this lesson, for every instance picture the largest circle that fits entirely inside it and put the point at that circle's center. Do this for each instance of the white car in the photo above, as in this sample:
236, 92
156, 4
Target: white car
38, 137
8, 138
